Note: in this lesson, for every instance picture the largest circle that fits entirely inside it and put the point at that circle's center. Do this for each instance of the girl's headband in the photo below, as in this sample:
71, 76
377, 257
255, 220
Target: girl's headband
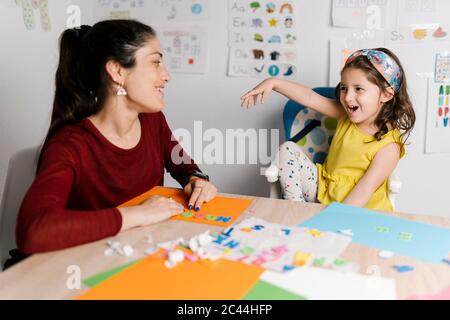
384, 63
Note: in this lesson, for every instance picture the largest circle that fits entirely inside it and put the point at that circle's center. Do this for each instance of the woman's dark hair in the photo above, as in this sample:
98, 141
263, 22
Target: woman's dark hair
82, 83
398, 112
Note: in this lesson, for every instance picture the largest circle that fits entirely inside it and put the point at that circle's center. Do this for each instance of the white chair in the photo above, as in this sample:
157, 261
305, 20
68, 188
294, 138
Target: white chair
20, 175
314, 133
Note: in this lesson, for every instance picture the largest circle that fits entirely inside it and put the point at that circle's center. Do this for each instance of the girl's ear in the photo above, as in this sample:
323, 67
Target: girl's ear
387, 95
115, 71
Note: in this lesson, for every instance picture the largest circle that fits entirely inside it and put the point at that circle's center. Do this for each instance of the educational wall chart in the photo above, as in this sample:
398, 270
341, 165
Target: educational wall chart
278, 247
185, 48
359, 14
438, 114
121, 9
29, 8
442, 70
182, 27
420, 21
179, 10
418, 33
263, 39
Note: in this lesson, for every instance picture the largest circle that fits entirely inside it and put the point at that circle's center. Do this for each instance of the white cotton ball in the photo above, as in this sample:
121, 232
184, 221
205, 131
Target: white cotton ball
108, 252
193, 244
176, 256
114, 244
204, 239
128, 250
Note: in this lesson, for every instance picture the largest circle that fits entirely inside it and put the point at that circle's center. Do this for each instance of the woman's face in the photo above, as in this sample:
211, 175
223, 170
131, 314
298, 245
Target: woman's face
145, 82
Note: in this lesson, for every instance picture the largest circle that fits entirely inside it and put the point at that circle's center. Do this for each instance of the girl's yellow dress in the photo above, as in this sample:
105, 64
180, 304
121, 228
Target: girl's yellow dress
349, 157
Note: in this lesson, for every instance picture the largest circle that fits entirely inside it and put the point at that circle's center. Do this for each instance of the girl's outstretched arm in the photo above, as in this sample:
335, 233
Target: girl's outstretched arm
380, 169
294, 91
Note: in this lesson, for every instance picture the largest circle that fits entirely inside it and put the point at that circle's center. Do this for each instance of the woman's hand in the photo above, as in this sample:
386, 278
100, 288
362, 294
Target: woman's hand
263, 89
200, 191
152, 210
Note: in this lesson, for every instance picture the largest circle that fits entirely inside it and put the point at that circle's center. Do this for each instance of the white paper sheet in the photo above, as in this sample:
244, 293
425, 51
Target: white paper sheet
359, 14
324, 284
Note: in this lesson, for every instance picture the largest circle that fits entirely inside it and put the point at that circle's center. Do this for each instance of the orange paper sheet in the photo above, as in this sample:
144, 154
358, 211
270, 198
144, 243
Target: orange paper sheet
201, 280
219, 212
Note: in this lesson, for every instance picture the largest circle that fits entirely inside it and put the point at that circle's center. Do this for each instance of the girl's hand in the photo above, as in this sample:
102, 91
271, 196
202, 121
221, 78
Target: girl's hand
152, 210
200, 191
263, 89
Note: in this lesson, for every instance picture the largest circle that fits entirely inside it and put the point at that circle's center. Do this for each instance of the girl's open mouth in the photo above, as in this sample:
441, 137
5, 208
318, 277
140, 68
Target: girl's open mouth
352, 109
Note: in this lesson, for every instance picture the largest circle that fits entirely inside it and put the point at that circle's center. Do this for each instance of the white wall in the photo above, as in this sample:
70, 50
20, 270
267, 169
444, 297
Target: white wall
28, 61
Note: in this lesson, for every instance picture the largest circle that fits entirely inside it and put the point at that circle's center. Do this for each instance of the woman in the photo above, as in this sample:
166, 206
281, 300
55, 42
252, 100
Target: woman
108, 142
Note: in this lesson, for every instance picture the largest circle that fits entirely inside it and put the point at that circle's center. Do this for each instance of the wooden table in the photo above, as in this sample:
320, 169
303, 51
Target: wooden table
44, 276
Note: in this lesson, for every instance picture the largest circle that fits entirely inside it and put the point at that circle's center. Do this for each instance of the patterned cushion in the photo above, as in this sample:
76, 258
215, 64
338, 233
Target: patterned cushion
316, 143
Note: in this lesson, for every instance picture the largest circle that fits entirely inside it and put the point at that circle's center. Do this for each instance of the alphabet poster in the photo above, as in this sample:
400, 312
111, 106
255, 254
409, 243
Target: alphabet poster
263, 40
438, 125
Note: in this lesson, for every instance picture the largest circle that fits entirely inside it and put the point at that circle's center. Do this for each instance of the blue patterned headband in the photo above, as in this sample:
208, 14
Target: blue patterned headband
384, 63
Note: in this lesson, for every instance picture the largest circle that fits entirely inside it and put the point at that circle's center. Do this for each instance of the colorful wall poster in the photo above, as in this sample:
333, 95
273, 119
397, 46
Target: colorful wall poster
121, 9
185, 48
359, 14
263, 39
385, 232
438, 114
418, 33
29, 8
442, 70
221, 211
179, 10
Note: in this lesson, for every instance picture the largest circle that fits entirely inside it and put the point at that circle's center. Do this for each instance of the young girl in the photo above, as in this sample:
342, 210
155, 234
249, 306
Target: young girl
108, 142
375, 114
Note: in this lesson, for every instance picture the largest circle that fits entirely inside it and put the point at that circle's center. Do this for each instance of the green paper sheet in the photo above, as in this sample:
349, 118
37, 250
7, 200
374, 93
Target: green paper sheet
266, 291
99, 278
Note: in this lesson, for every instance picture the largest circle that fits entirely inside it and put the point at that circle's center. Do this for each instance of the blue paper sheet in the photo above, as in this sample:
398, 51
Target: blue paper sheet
417, 240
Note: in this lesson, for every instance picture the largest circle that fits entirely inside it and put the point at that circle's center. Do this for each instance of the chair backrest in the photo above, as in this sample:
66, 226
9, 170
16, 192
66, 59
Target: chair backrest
310, 129
20, 175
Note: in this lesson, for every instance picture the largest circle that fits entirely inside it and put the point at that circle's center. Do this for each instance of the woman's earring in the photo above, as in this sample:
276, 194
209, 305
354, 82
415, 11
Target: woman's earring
121, 91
